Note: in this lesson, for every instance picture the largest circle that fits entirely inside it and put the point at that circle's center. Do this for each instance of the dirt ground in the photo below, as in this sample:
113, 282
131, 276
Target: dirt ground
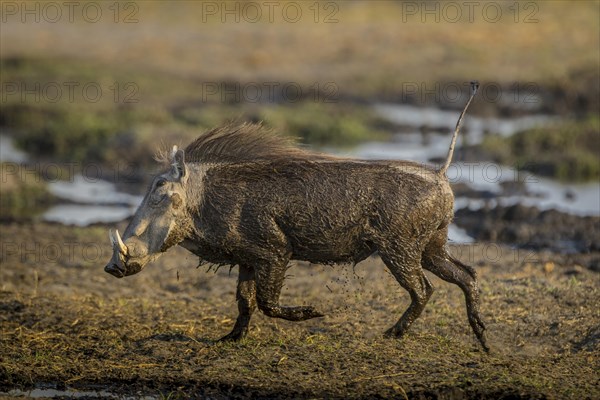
67, 325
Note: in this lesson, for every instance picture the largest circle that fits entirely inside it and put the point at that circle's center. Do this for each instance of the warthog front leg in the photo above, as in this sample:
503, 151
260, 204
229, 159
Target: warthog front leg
269, 280
246, 300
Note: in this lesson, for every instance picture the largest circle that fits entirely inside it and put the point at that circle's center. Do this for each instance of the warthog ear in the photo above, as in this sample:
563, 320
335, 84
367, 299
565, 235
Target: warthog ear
178, 163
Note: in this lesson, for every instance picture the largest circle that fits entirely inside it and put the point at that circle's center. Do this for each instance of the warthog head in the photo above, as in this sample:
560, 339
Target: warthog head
156, 225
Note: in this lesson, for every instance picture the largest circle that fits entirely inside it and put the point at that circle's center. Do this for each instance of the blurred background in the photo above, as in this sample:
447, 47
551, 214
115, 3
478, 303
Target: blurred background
90, 90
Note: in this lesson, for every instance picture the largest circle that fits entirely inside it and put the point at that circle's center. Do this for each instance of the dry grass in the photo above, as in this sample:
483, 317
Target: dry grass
373, 47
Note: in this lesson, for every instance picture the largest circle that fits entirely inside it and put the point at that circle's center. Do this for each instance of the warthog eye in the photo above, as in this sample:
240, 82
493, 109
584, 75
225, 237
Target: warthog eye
161, 182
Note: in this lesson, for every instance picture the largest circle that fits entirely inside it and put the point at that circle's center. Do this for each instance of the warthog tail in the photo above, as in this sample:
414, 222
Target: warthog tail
474, 87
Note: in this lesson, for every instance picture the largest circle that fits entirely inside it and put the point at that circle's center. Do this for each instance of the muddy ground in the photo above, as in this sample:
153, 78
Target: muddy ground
67, 325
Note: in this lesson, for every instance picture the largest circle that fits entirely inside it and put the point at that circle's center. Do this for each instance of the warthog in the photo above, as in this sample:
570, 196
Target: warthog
239, 195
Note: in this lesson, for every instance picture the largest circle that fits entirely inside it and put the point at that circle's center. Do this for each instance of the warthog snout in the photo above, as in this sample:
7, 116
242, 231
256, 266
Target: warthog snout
114, 270
129, 256
117, 265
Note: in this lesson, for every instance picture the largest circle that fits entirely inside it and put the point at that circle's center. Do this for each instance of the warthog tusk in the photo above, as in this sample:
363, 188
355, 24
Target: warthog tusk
115, 239
122, 246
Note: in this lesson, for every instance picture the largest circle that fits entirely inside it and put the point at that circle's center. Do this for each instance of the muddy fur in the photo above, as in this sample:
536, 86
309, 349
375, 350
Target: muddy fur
240, 195
261, 215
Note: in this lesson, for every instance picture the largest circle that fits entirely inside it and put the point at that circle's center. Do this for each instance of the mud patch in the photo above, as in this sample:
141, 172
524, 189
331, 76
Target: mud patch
531, 228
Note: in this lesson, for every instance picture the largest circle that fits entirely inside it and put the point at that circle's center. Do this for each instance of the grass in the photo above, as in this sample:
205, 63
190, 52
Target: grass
327, 125
119, 344
371, 48
155, 332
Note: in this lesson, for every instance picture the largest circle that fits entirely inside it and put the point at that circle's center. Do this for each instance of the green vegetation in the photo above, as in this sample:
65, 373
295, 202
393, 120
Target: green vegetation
568, 151
327, 124
64, 134
81, 126
167, 111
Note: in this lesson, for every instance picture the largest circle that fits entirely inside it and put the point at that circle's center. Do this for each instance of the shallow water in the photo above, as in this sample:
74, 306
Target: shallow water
84, 215
42, 393
8, 151
577, 199
543, 193
474, 128
98, 201
83, 190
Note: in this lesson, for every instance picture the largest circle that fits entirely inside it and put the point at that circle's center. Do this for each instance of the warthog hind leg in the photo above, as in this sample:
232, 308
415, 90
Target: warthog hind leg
408, 272
435, 258
453, 271
246, 300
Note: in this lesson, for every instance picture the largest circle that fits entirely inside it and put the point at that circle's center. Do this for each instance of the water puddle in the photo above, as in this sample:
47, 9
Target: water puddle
42, 393
83, 190
84, 215
96, 201
87, 201
474, 128
545, 194
9, 153
459, 235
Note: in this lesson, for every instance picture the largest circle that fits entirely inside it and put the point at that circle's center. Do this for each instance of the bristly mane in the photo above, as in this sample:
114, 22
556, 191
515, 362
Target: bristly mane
246, 142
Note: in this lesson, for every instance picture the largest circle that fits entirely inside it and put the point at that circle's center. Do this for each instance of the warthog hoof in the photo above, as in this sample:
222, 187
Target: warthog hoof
234, 336
393, 332
301, 313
